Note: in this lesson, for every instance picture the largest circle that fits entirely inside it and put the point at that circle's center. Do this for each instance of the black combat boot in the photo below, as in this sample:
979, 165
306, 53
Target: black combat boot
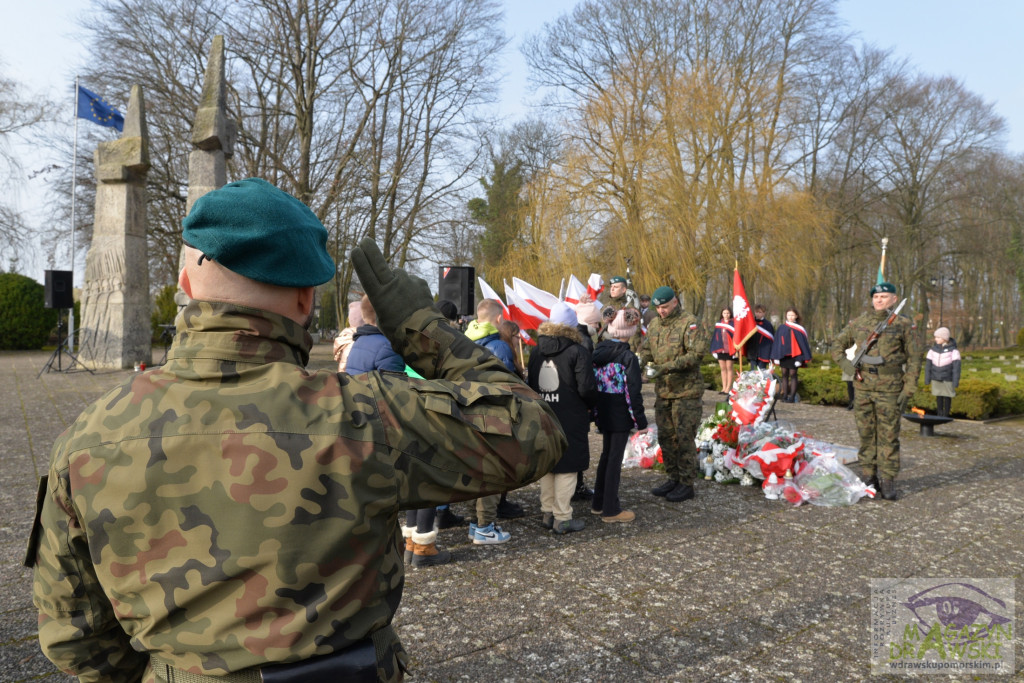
680, 493
888, 488
663, 488
872, 481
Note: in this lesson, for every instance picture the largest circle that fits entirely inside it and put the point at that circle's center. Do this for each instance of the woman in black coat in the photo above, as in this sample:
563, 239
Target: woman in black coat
620, 409
560, 369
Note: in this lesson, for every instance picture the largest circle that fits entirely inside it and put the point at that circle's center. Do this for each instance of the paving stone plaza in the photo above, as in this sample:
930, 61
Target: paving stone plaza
725, 587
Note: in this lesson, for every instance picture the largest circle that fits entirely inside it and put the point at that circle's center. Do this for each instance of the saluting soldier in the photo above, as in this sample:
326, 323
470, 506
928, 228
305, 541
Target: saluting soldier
673, 352
232, 516
888, 378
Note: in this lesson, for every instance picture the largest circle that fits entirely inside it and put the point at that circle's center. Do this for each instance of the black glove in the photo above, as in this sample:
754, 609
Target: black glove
905, 396
395, 294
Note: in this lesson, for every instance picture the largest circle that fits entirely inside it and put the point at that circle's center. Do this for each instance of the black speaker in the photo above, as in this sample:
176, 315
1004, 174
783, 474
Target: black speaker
59, 288
455, 283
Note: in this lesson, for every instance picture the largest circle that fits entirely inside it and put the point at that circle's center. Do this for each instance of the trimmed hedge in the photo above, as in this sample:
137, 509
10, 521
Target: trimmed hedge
976, 399
25, 323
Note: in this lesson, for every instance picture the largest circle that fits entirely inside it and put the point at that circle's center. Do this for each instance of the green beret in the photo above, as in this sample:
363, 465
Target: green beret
883, 288
254, 229
617, 279
662, 295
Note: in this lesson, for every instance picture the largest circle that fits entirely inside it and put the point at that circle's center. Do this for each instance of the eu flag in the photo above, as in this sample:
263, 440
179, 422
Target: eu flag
93, 108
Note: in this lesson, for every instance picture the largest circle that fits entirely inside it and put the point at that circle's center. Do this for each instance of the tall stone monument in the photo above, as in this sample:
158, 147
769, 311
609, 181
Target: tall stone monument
213, 139
115, 329
213, 136
213, 133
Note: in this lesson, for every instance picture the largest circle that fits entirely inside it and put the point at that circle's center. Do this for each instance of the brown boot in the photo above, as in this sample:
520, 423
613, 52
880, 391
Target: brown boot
407, 532
425, 552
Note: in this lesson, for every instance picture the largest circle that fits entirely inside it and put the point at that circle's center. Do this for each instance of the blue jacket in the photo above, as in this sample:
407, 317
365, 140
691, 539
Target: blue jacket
371, 351
486, 335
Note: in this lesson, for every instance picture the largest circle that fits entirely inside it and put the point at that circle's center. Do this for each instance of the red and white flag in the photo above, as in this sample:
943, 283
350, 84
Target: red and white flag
595, 285
535, 296
575, 291
489, 293
743, 317
508, 313
522, 312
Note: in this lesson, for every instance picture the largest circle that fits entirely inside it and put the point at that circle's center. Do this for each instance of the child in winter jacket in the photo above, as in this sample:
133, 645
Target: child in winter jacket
942, 370
620, 409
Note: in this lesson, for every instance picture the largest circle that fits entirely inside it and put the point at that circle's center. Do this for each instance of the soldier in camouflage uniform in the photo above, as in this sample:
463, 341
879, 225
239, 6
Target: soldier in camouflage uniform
619, 296
231, 515
885, 387
673, 352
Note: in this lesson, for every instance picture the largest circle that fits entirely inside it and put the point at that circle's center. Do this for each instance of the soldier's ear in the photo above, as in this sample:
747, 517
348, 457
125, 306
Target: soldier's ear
304, 301
184, 283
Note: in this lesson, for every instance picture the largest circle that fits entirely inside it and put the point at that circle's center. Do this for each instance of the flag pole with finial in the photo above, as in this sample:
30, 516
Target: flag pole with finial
881, 266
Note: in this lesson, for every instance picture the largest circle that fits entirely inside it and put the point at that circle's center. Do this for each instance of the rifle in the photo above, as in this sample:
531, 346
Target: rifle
861, 356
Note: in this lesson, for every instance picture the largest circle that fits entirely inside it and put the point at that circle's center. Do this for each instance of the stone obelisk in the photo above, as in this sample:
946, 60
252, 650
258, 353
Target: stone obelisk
213, 136
115, 327
213, 133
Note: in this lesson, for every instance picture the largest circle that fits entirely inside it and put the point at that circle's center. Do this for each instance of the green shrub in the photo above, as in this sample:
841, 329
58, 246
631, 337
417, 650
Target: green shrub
1020, 338
24, 321
165, 310
1011, 399
822, 387
975, 399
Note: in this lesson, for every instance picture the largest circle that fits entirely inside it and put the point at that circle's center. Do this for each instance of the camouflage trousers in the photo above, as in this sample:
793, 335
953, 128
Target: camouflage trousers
677, 420
878, 421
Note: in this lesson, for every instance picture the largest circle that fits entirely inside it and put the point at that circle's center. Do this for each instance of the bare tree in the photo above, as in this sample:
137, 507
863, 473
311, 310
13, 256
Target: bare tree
17, 117
364, 109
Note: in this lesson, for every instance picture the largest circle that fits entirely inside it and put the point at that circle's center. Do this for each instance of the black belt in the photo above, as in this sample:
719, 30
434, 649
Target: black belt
357, 663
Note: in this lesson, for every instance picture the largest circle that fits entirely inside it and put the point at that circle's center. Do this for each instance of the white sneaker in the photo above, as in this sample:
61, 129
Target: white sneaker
490, 535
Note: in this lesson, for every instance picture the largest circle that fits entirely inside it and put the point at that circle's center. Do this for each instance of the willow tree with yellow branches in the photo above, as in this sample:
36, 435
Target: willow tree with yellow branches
677, 116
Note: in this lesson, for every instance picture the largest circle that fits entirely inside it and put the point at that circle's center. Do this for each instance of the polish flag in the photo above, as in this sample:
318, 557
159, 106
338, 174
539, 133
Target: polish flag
535, 296
575, 291
523, 312
595, 285
743, 317
489, 293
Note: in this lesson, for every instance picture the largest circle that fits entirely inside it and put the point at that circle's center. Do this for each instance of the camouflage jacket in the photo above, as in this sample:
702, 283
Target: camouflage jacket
898, 345
676, 345
232, 509
627, 300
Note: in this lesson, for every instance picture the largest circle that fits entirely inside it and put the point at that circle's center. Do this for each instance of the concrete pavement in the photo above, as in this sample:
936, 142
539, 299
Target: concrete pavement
724, 587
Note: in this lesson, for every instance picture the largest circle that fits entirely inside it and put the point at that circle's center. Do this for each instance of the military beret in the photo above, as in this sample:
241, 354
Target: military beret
617, 279
662, 295
254, 229
883, 288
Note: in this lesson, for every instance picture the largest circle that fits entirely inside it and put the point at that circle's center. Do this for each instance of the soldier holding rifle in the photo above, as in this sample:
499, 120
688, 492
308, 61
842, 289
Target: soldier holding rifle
885, 368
